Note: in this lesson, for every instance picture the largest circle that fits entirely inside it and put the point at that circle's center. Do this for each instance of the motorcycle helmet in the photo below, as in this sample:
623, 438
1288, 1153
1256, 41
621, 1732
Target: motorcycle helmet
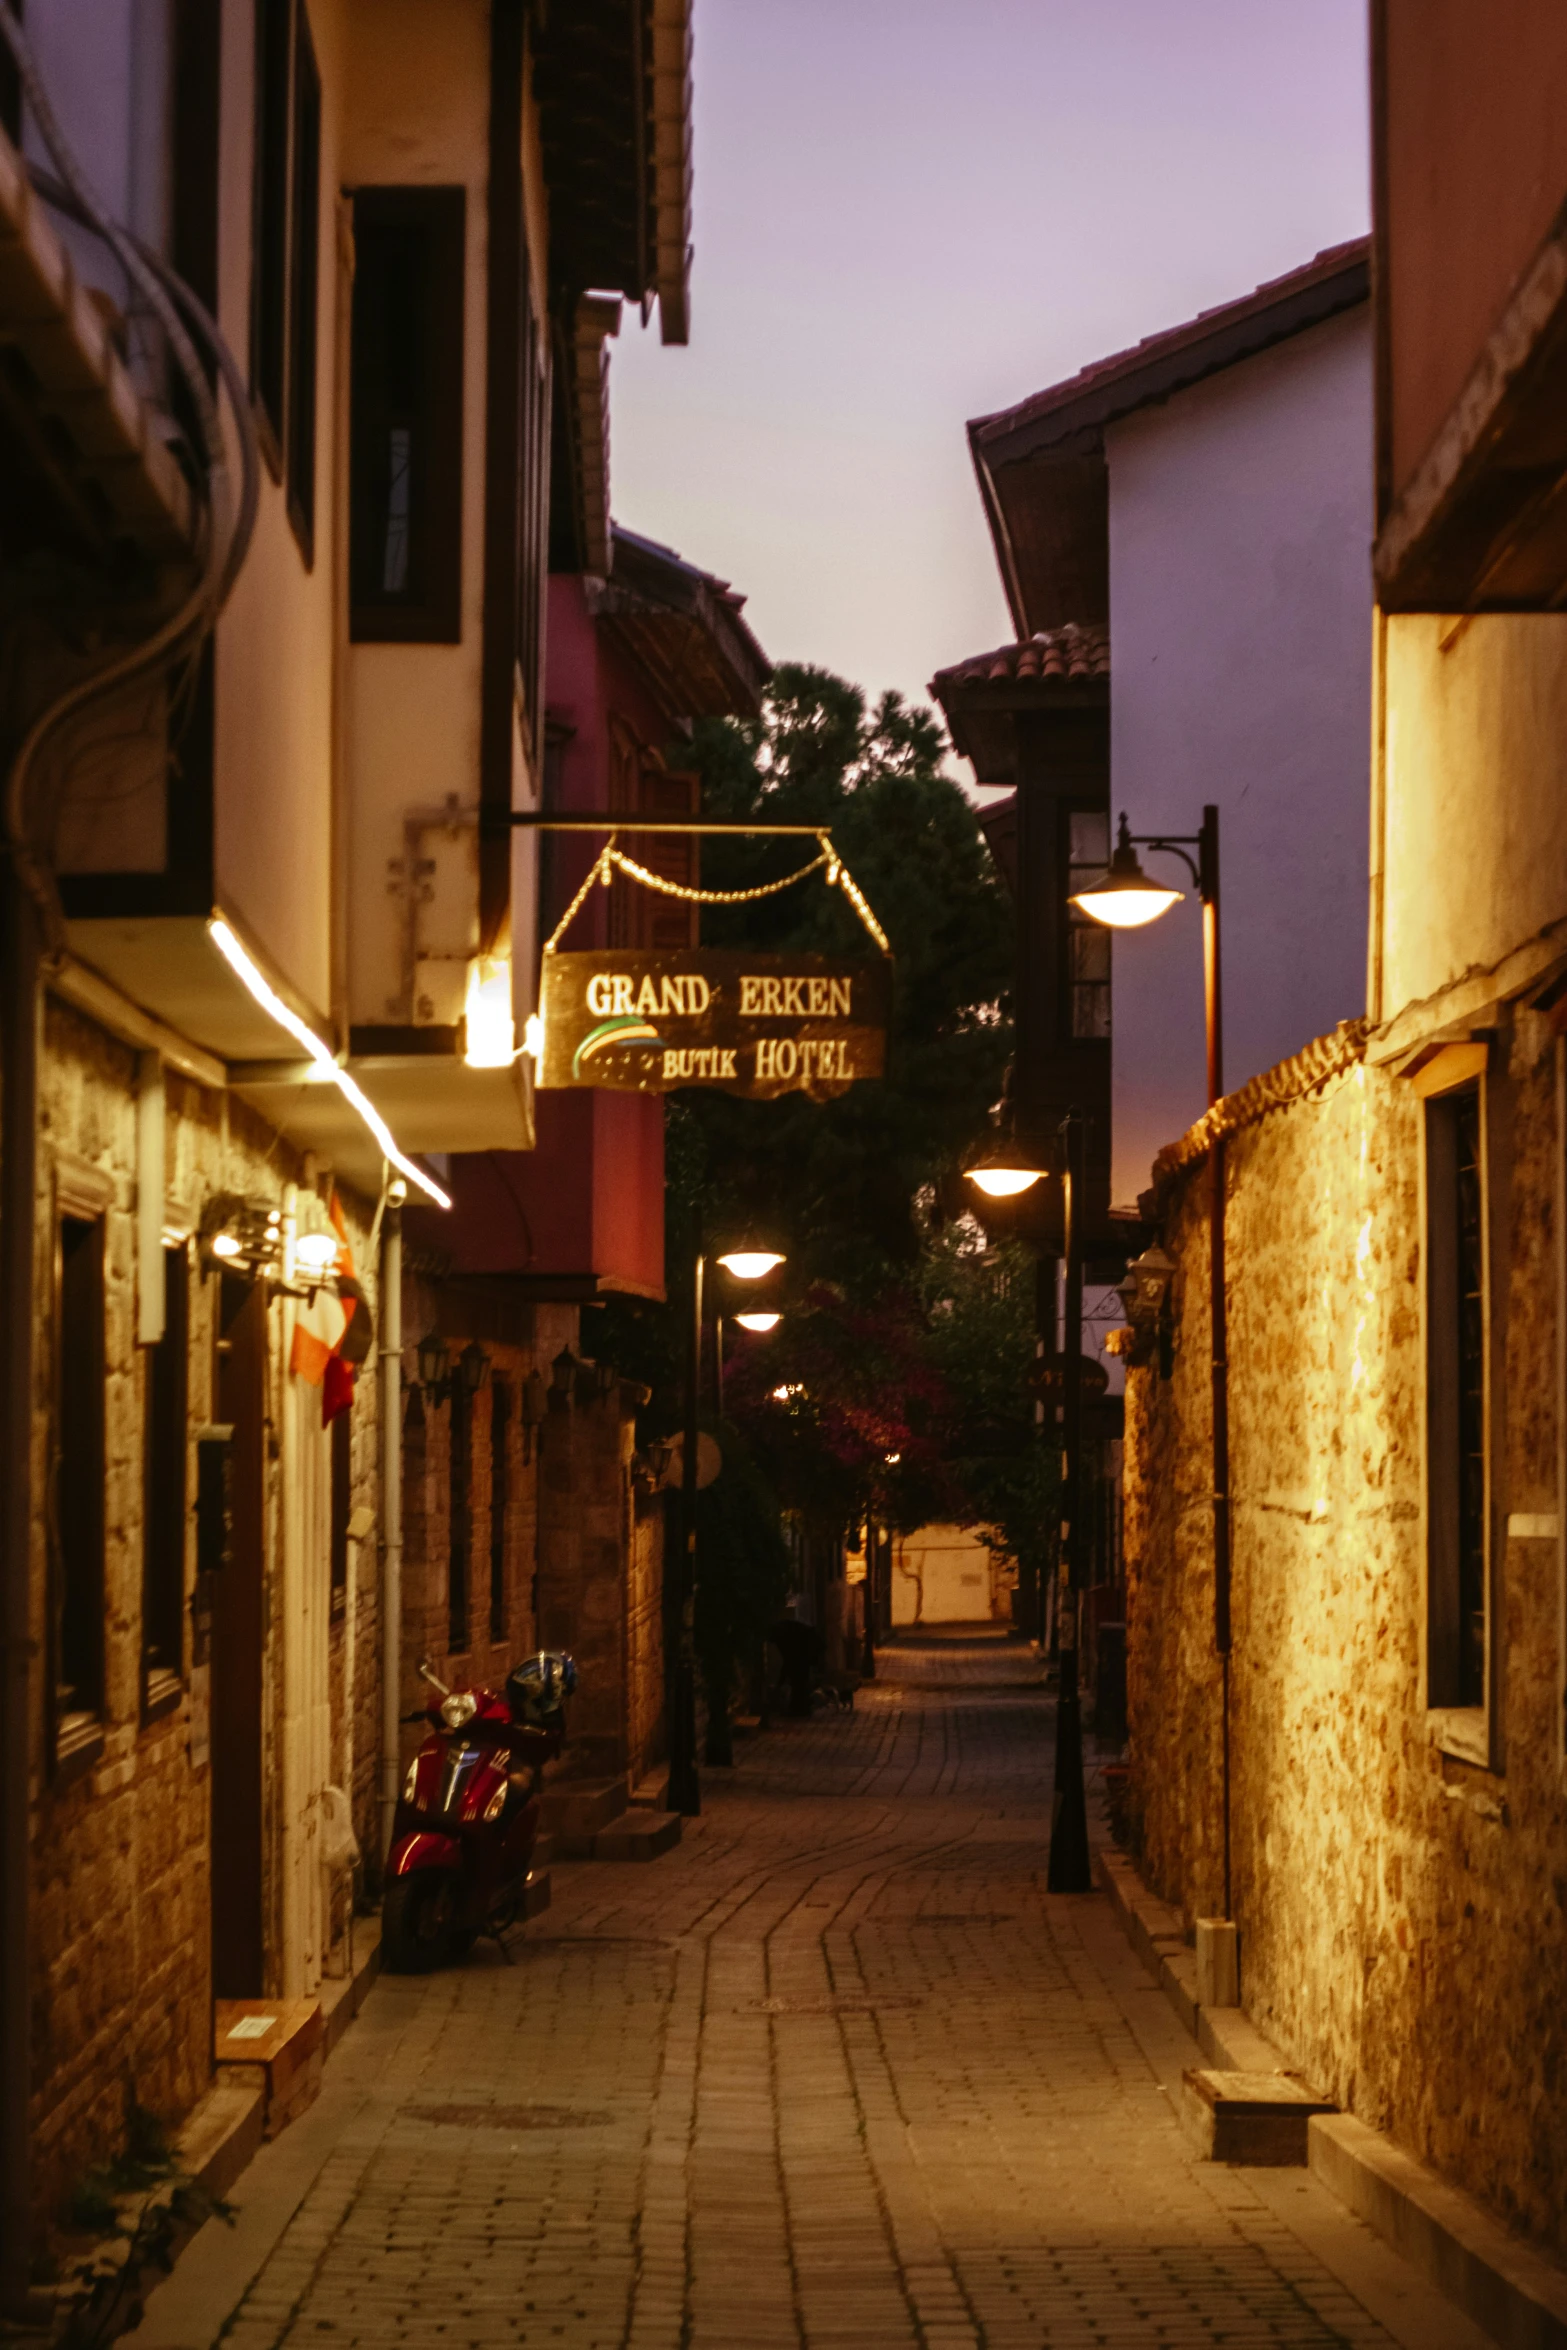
538, 1687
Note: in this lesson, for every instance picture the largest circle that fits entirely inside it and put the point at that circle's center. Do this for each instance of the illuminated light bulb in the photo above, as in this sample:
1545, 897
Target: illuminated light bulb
1004, 1182
224, 1244
317, 1251
757, 1321
749, 1264
1128, 909
491, 1030
1123, 898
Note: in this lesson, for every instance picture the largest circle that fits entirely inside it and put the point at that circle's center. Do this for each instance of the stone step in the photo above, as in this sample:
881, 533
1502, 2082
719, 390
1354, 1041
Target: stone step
652, 1793
574, 1811
640, 1835
1256, 2118
274, 2045
745, 1725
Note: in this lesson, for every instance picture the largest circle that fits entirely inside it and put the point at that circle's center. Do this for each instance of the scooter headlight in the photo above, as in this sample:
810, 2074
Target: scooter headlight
411, 1782
458, 1709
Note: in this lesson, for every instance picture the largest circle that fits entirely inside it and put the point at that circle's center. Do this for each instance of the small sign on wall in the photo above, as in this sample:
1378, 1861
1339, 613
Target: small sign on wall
748, 1024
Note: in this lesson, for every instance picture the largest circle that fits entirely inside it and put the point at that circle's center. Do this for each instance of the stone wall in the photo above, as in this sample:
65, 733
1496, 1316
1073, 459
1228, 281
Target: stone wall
122, 1830
1400, 1910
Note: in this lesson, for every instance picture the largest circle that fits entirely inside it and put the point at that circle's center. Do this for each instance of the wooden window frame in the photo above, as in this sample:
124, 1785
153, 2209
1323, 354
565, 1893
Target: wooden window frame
274, 25
1461, 1725
304, 286
459, 1522
341, 1437
166, 1493
83, 1196
432, 223
500, 1505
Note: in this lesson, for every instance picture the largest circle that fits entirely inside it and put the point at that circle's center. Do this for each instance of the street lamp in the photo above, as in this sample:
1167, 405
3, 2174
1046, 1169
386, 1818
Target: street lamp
749, 1264
1125, 898
1001, 1167
685, 1791
762, 1322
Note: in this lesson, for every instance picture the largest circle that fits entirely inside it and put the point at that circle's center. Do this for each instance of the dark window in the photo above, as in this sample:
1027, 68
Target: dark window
534, 508
198, 37
500, 1502
459, 1518
163, 1439
1456, 1398
1087, 941
11, 87
269, 225
342, 1505
405, 474
304, 267
79, 1467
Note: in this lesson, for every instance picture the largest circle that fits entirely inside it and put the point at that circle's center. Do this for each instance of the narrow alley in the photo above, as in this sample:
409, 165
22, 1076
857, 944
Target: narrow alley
834, 2071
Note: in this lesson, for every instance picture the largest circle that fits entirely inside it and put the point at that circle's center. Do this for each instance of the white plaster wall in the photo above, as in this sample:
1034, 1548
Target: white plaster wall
942, 1575
1475, 829
418, 115
1240, 632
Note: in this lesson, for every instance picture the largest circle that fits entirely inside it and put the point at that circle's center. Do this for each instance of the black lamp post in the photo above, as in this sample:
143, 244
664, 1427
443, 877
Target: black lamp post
1069, 1868
746, 1263
1126, 899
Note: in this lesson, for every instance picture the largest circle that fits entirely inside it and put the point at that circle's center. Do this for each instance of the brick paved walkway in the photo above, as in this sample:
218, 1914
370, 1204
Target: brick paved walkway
837, 2071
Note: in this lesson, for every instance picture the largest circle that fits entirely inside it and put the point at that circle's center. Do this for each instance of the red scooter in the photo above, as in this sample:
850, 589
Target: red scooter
465, 1829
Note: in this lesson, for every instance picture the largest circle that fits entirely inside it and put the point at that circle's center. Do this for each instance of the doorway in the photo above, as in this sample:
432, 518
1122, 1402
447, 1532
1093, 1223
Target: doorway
238, 1628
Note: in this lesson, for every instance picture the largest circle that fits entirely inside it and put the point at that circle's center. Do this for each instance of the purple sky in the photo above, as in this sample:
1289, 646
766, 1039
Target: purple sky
909, 212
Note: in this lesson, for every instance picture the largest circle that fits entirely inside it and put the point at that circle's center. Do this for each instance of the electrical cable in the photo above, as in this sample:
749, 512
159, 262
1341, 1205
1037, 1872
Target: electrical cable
222, 538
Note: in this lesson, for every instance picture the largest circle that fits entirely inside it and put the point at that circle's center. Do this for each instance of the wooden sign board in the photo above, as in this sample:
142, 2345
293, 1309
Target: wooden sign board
748, 1024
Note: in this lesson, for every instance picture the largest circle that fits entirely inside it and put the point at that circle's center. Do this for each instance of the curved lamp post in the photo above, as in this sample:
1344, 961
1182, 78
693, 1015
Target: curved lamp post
685, 1790
1125, 898
1002, 1167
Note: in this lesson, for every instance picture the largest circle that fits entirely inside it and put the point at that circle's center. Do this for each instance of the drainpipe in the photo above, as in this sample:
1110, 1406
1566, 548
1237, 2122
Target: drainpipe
1218, 1301
18, 1125
391, 1363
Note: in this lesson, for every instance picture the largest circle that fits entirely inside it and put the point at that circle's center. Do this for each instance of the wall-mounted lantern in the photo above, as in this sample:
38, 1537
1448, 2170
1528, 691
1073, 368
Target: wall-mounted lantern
432, 1358
473, 1368
240, 1235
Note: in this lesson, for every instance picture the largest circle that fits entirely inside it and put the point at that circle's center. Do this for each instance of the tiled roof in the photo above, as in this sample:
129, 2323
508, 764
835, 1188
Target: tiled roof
1071, 652
1334, 279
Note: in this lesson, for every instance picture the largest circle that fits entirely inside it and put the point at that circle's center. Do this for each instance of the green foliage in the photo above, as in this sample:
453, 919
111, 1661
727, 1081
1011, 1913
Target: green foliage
980, 1335
743, 1562
838, 1178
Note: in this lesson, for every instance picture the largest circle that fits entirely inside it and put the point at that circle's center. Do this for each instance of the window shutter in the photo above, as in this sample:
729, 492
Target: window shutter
670, 923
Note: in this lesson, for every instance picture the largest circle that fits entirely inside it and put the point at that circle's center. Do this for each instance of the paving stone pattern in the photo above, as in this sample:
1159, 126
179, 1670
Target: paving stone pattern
836, 2071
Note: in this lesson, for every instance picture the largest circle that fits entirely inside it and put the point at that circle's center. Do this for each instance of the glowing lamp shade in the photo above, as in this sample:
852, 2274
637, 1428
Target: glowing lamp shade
749, 1264
1127, 908
1124, 898
1004, 1182
491, 1030
758, 1321
224, 1244
1002, 1166
316, 1251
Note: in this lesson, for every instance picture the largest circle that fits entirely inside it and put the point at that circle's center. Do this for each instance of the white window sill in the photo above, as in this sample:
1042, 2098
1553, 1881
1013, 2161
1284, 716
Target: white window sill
1462, 1731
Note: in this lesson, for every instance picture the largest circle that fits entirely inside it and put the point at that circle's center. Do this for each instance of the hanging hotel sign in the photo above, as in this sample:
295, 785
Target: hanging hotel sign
749, 1024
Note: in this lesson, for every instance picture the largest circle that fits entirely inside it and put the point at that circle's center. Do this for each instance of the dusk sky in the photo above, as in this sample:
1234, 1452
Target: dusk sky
910, 212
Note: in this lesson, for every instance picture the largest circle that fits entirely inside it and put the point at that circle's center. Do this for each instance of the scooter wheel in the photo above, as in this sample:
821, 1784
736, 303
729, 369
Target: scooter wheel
416, 1923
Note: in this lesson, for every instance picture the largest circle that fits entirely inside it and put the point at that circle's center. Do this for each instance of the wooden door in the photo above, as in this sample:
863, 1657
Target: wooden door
238, 1624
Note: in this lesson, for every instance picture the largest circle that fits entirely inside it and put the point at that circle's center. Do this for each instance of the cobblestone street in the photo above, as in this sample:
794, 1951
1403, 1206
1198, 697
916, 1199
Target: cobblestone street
835, 2071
